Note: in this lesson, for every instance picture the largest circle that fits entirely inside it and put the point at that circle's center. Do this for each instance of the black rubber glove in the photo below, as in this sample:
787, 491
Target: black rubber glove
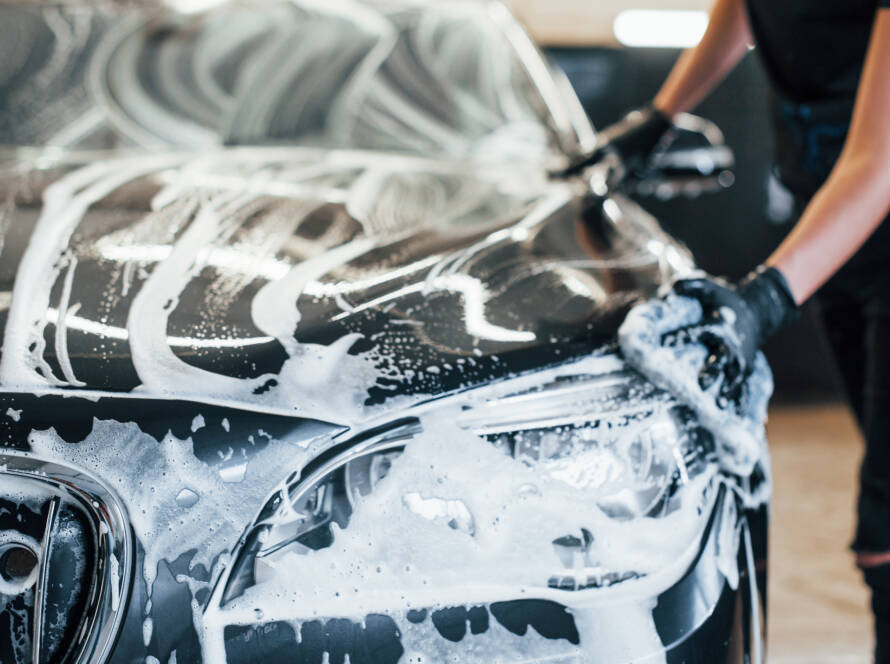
757, 307
633, 139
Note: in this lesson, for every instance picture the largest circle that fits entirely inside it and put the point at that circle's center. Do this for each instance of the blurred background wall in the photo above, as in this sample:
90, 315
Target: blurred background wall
729, 232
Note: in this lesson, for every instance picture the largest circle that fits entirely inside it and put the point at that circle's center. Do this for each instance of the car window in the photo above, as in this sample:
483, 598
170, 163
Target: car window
457, 78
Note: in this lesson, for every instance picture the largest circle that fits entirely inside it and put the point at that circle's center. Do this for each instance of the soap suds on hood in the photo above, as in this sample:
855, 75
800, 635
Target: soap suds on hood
211, 213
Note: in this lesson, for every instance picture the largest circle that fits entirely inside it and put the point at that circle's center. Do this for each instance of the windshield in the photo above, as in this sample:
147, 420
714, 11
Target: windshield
452, 79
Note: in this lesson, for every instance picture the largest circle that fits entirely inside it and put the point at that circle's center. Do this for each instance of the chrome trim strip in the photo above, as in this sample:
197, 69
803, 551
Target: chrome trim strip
42, 580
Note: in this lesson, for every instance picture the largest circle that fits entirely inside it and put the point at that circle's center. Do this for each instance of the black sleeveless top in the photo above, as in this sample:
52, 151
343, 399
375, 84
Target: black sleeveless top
813, 49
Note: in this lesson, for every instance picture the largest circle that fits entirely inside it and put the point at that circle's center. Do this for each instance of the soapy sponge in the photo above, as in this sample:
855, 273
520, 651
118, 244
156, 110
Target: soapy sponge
667, 341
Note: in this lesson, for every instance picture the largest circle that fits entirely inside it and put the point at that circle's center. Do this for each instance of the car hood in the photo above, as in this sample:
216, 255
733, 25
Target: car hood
301, 282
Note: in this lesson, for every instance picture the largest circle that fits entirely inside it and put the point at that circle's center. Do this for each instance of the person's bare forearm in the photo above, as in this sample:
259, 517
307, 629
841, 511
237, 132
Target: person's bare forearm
700, 69
856, 197
838, 221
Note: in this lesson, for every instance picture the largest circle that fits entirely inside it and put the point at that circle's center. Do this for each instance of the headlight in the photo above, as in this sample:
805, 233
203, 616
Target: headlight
591, 483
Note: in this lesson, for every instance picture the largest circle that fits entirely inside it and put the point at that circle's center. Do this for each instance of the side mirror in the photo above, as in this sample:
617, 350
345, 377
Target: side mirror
696, 160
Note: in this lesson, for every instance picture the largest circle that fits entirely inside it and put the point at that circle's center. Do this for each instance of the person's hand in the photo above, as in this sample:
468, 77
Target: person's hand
633, 139
744, 315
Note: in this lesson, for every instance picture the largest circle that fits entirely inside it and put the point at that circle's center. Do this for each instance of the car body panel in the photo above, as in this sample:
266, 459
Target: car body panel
229, 277
241, 246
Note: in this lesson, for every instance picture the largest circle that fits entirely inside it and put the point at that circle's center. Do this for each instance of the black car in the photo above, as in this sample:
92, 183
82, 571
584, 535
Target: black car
307, 357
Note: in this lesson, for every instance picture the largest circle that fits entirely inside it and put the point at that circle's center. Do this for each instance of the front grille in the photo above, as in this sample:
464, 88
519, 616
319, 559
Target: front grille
66, 563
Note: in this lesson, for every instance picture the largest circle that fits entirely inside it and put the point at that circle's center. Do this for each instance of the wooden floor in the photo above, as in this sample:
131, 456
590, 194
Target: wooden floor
818, 611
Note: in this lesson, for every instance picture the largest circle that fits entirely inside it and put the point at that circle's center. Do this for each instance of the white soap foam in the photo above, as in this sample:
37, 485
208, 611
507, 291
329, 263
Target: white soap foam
492, 519
739, 432
198, 423
397, 554
165, 526
204, 204
64, 204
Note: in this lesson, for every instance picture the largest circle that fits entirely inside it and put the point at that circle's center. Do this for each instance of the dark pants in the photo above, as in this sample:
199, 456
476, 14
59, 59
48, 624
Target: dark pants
859, 332
857, 323
855, 307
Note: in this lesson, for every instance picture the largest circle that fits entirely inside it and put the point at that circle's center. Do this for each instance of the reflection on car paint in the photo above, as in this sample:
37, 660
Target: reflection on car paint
218, 333
196, 229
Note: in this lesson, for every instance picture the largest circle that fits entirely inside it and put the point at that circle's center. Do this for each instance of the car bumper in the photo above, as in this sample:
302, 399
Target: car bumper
702, 618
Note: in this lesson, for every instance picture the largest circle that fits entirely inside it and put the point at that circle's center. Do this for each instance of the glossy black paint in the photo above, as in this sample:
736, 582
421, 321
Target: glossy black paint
531, 281
412, 330
566, 327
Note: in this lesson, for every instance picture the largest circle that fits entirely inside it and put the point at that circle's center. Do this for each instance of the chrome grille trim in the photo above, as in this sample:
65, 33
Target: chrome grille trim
114, 543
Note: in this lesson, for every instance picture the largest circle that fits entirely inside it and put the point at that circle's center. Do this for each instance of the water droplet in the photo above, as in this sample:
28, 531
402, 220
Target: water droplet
187, 498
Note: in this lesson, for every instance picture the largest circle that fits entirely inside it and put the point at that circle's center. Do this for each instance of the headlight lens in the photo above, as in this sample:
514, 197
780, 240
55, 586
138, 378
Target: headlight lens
586, 482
